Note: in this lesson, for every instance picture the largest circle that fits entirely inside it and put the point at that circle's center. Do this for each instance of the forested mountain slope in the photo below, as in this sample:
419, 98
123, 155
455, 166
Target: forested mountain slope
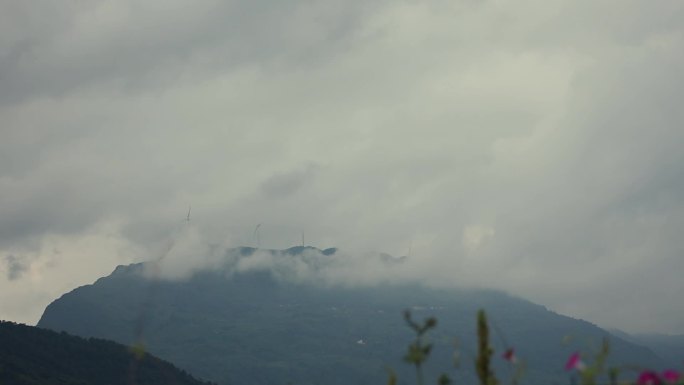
30, 355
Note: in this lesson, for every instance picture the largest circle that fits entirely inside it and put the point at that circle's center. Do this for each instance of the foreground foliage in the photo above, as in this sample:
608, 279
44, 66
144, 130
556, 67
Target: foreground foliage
594, 372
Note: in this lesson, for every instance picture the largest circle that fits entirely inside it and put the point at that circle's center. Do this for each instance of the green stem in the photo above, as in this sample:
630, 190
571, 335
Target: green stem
419, 374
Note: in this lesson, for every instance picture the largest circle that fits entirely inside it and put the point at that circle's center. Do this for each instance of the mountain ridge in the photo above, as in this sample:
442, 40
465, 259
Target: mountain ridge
235, 326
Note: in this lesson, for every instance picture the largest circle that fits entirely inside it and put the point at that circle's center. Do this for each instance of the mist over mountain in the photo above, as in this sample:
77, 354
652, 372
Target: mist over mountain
671, 347
667, 346
277, 316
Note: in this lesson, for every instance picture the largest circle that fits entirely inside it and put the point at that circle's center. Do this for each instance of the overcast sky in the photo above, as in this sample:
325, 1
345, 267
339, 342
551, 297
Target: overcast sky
535, 146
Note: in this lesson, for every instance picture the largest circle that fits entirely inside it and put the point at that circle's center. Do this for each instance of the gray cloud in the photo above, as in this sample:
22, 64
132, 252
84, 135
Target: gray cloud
137, 47
284, 184
15, 267
533, 147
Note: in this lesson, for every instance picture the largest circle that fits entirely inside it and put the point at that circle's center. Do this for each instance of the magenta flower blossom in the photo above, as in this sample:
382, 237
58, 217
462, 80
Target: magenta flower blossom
509, 355
671, 375
575, 362
648, 377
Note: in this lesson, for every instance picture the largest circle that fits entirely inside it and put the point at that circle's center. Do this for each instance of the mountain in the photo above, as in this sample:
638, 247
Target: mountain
30, 355
669, 347
247, 322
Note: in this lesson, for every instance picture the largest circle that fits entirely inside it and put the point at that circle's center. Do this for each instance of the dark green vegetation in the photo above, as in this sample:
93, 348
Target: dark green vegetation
484, 352
250, 328
30, 355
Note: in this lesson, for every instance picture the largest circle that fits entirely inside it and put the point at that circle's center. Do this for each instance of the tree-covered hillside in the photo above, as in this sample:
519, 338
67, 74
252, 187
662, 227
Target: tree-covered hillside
34, 356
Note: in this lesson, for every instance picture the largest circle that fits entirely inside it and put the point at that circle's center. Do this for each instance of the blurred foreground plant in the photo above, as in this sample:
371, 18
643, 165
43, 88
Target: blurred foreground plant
484, 352
419, 351
590, 372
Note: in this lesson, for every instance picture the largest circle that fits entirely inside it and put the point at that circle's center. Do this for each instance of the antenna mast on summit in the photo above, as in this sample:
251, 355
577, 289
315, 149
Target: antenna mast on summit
256, 235
303, 239
187, 219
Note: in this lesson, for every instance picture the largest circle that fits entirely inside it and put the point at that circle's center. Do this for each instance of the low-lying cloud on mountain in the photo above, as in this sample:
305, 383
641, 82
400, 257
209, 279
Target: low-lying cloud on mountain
189, 253
533, 146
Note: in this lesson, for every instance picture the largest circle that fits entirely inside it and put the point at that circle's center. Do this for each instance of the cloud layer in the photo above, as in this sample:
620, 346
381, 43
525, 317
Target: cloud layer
533, 146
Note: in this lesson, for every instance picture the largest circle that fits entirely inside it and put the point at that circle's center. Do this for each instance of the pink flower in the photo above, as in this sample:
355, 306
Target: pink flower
575, 362
509, 355
648, 377
671, 375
